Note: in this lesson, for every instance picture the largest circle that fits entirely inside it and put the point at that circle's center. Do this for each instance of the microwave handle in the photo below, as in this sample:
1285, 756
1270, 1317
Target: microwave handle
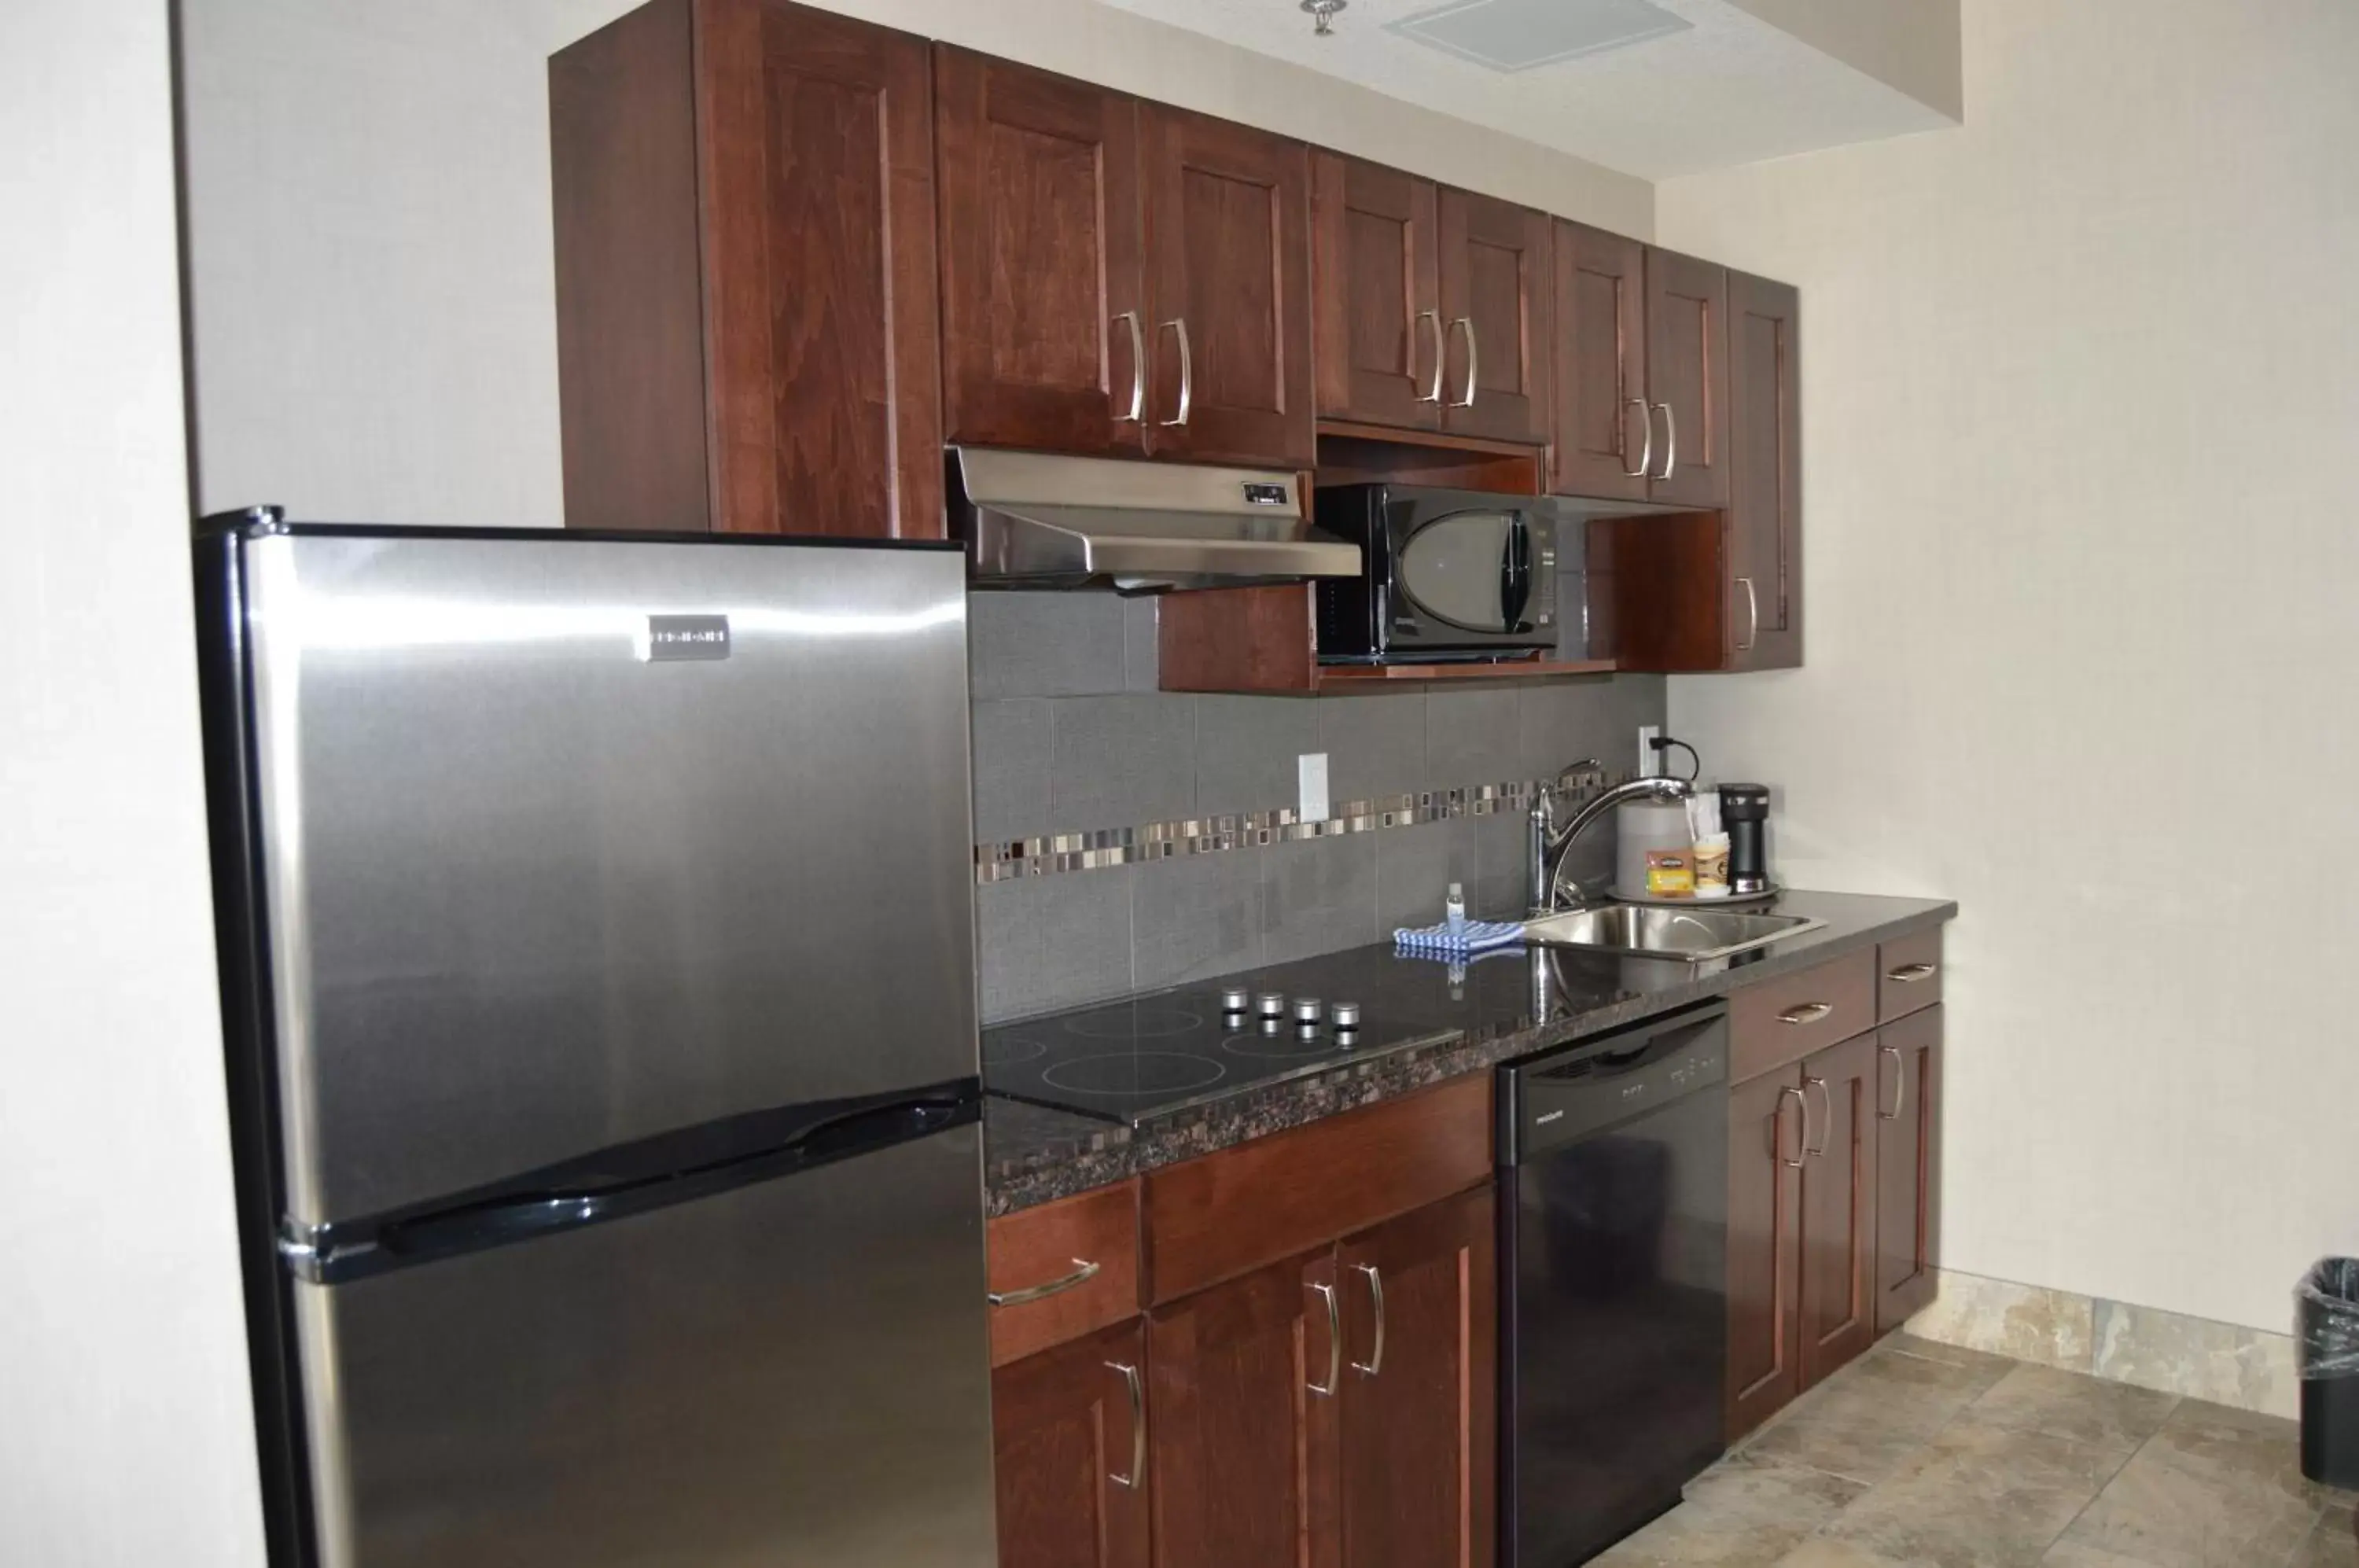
1516, 574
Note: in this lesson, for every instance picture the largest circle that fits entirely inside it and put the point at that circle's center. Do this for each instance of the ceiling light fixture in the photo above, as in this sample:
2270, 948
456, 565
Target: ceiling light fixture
1322, 16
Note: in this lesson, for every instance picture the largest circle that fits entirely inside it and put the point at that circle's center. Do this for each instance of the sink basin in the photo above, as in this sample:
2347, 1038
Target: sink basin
1651, 931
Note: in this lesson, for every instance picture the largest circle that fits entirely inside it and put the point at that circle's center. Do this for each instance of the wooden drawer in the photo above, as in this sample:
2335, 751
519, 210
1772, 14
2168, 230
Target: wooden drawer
1228, 1213
1034, 1253
1908, 975
1780, 1021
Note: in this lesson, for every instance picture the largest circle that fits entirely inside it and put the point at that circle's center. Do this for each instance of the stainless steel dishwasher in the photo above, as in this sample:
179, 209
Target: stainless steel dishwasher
1613, 1299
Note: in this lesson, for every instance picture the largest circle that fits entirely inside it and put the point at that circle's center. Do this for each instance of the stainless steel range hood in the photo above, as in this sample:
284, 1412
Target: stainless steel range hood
1044, 521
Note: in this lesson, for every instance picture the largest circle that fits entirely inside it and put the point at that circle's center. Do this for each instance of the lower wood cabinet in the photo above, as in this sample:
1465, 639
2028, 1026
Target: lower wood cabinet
1835, 1295
1070, 1431
1908, 1167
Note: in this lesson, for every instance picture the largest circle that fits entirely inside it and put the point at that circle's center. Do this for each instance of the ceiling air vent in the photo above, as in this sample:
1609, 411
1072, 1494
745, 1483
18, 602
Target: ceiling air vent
1518, 35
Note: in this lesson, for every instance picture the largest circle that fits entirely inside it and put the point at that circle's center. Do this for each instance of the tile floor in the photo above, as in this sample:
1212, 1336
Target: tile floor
1925, 1453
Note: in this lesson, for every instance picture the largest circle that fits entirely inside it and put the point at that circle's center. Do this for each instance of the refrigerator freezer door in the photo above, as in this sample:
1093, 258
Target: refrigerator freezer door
793, 1372
570, 842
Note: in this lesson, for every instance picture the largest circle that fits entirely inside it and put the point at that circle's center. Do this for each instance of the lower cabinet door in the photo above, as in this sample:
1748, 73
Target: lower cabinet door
1907, 1167
1837, 1294
1765, 1235
1070, 1443
1241, 1455
1420, 1389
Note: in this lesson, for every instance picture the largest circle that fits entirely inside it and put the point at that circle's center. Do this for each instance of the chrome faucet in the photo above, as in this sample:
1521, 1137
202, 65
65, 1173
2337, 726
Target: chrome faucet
1551, 845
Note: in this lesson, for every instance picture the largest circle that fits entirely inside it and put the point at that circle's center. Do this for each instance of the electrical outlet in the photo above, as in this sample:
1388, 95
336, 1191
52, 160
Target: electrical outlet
1650, 761
1311, 772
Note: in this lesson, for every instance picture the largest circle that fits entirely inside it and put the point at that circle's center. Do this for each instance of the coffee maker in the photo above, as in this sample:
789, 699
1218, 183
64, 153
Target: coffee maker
1745, 817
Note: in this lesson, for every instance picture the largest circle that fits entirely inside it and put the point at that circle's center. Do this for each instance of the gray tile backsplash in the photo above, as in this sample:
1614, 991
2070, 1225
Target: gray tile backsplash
1070, 735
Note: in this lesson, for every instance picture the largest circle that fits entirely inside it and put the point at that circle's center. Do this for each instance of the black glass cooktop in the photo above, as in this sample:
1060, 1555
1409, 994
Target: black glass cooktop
1128, 1062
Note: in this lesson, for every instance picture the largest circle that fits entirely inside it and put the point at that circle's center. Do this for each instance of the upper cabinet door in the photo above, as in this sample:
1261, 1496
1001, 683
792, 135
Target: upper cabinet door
1376, 291
1765, 499
1686, 378
1228, 241
1496, 296
821, 349
1603, 446
1044, 321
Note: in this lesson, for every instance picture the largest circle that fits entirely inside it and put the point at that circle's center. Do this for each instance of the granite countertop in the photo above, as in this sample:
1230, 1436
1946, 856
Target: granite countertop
1509, 1003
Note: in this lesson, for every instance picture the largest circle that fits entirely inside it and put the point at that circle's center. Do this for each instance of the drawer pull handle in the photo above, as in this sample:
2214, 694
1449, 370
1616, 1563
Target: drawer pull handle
1374, 1364
1780, 1130
1910, 973
1138, 1425
1827, 1097
1899, 1083
1083, 1272
1334, 1341
1807, 1013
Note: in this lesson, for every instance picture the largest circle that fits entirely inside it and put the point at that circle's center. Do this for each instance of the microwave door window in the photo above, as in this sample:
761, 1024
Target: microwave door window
1455, 570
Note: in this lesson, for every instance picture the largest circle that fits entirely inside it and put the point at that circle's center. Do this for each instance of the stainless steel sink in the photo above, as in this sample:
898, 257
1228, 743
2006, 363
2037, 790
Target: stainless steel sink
1651, 931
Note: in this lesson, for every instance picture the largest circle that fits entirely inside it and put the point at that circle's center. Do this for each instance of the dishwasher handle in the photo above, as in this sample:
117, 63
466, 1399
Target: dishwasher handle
1590, 1085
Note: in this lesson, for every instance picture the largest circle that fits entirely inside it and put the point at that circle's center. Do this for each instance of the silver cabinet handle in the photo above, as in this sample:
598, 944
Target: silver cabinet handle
1468, 322
1137, 369
1374, 1364
1432, 393
1805, 1099
1825, 1129
1751, 617
1083, 1272
1670, 442
1910, 973
1899, 1083
1334, 1341
1807, 1013
1138, 1426
1187, 371
1646, 453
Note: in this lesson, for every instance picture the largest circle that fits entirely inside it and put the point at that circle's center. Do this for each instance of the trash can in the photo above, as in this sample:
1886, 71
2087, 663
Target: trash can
2326, 1354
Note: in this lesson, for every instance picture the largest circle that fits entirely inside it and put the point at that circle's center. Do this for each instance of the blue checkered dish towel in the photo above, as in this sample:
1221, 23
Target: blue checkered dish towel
1476, 936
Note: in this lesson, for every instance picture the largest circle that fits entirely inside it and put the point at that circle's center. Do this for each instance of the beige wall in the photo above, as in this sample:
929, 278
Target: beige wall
370, 267
2081, 389
126, 1434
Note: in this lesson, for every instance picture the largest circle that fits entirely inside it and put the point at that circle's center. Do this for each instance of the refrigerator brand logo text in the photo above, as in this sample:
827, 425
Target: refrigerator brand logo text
673, 638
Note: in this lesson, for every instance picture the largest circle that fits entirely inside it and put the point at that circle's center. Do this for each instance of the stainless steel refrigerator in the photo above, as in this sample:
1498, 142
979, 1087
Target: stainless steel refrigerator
597, 953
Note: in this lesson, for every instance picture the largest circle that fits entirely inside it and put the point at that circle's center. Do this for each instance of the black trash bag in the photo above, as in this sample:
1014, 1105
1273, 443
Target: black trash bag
2326, 1320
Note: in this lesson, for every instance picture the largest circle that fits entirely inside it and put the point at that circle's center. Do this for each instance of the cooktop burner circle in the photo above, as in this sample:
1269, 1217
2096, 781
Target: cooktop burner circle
1134, 1073
1135, 1023
1007, 1053
1286, 1042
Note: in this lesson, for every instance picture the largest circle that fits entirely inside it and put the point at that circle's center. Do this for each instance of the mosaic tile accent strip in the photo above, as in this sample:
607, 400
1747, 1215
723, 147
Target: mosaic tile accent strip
1108, 847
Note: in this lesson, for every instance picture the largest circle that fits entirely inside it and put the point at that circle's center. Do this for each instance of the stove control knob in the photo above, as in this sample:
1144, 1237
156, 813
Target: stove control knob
1235, 1001
1270, 1004
1344, 1015
1306, 1011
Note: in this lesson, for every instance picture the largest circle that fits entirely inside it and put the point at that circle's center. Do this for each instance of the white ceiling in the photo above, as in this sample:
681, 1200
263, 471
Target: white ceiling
1729, 89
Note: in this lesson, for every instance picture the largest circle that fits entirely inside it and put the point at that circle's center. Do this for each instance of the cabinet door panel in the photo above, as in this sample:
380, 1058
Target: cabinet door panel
1243, 1451
1375, 289
1686, 378
1909, 1168
1065, 1440
1497, 291
1229, 248
1601, 364
1041, 223
821, 329
1764, 1228
1837, 1294
1420, 1396
1764, 500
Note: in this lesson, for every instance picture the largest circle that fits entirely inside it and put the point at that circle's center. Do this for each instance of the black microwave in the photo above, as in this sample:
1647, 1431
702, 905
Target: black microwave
1444, 575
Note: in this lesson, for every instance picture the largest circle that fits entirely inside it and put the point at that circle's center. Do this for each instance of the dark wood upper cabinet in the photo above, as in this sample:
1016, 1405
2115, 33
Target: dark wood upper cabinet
1418, 1401
1601, 430
1497, 315
1764, 1241
1764, 503
1908, 1167
1044, 307
1242, 1442
1375, 284
1836, 1294
1066, 1437
747, 330
1228, 246
1686, 378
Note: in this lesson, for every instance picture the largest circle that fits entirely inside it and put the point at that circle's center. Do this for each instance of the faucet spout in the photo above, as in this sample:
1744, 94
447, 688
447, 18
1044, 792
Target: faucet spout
1555, 842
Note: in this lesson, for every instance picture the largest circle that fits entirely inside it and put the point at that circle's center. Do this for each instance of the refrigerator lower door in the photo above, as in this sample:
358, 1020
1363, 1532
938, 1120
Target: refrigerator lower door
793, 1372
